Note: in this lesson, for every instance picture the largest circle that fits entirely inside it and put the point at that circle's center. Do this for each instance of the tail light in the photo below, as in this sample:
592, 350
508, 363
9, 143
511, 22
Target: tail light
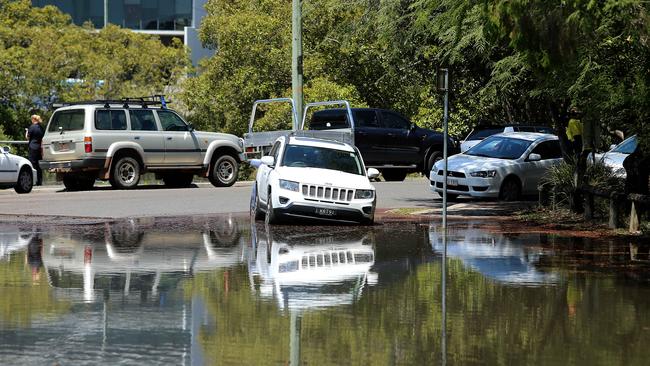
88, 144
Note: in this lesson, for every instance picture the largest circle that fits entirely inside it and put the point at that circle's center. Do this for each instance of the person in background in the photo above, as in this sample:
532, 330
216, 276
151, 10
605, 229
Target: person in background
34, 134
574, 131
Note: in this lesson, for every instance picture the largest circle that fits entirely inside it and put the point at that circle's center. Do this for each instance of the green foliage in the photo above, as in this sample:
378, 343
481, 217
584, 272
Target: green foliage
45, 58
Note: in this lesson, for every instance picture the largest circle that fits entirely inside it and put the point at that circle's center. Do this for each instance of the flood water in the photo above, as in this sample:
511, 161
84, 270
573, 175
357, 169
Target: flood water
225, 291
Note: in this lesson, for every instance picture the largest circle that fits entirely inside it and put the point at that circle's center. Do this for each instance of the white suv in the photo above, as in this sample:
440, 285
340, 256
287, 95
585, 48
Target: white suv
313, 178
120, 140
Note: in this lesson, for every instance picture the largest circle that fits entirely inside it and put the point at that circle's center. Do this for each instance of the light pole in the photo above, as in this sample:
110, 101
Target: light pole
443, 86
296, 58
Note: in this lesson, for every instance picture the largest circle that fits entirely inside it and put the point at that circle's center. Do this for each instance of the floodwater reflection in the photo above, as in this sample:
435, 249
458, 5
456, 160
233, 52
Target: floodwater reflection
224, 290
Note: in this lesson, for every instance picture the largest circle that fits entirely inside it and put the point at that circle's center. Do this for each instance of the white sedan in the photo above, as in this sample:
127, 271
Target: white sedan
504, 166
313, 178
16, 172
614, 157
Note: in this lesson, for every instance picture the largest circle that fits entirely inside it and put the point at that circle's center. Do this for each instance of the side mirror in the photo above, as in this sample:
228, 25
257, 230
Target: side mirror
190, 127
6, 149
534, 157
413, 126
612, 146
268, 160
373, 173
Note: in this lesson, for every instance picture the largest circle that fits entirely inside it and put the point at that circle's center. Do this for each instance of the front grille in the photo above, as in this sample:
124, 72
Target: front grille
333, 258
452, 174
332, 194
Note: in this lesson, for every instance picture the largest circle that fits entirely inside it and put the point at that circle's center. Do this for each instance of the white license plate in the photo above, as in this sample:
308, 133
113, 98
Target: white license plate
325, 212
64, 146
452, 182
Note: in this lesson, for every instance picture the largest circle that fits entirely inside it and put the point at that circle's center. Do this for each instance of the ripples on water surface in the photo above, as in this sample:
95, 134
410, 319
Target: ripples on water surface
223, 291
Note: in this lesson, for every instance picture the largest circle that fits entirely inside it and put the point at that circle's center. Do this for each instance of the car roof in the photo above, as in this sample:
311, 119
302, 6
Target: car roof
529, 136
328, 144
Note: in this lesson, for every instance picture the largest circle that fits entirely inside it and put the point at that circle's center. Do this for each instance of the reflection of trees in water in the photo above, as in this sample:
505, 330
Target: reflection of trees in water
22, 298
590, 320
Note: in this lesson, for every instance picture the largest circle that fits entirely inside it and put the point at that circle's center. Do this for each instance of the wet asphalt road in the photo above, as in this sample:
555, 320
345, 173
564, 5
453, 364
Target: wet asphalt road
202, 199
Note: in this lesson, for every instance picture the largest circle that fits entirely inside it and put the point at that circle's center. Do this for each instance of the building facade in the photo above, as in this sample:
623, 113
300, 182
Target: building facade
167, 19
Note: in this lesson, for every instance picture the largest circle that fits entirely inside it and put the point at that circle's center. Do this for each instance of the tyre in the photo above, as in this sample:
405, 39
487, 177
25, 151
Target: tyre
255, 210
224, 171
510, 189
178, 180
271, 217
125, 173
431, 161
25, 181
393, 175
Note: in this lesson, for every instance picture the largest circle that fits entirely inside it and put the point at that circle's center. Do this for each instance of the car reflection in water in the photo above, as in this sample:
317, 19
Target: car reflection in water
13, 239
502, 257
130, 254
310, 270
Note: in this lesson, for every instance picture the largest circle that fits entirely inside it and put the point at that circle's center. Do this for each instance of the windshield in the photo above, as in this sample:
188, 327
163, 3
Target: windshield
323, 158
500, 147
626, 147
481, 134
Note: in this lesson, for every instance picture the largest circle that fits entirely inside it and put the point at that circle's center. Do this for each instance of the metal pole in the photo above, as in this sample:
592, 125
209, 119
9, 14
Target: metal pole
105, 13
443, 346
296, 59
444, 152
294, 341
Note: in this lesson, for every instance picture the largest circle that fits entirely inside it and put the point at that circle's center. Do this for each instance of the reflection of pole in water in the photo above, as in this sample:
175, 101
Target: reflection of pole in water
443, 346
294, 342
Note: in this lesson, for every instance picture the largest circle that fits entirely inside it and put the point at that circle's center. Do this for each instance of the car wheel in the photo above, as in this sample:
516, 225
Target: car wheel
510, 189
271, 217
433, 159
125, 173
25, 181
255, 210
178, 180
393, 175
224, 171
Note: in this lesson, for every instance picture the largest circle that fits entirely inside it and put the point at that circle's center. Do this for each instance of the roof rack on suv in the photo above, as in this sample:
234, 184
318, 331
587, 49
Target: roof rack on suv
157, 99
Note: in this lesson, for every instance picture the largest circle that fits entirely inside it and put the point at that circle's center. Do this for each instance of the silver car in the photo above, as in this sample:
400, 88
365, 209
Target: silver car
118, 142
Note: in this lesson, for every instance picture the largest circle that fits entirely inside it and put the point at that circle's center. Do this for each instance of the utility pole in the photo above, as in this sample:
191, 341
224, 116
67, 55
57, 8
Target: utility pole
296, 59
105, 13
443, 86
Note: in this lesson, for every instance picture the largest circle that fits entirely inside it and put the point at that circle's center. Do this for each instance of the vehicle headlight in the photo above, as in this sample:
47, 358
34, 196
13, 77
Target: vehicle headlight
289, 185
484, 173
364, 194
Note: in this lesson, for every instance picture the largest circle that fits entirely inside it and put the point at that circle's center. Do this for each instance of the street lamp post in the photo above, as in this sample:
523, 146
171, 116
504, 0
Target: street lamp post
296, 59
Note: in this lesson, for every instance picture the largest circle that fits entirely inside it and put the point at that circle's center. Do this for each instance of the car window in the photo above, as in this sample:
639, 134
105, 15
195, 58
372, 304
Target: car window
275, 150
500, 147
170, 121
329, 119
548, 150
483, 133
366, 119
301, 156
626, 147
110, 119
142, 120
393, 120
70, 120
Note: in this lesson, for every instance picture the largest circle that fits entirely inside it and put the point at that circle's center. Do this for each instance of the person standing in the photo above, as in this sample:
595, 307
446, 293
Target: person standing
574, 132
34, 134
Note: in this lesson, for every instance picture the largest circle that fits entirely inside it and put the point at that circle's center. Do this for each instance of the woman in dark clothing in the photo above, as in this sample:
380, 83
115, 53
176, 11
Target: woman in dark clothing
35, 134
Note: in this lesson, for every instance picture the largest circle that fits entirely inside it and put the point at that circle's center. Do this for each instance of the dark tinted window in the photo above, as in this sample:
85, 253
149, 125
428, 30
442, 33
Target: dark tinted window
500, 147
483, 133
626, 147
71, 120
366, 119
142, 120
300, 156
393, 120
106, 119
548, 150
171, 122
329, 119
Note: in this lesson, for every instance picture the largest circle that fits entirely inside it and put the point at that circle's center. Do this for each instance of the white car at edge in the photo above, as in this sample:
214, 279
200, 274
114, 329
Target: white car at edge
505, 166
16, 172
313, 178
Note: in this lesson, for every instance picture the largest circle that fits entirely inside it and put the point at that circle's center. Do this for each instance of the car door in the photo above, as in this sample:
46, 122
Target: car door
551, 154
181, 145
8, 168
399, 145
264, 171
368, 135
146, 133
